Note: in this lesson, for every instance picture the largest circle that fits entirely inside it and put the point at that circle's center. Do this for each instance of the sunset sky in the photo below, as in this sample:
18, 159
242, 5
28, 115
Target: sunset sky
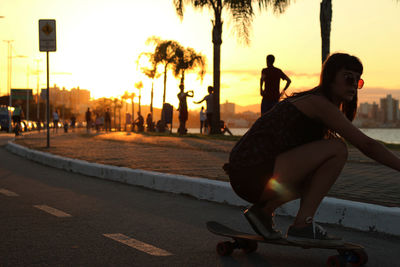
98, 42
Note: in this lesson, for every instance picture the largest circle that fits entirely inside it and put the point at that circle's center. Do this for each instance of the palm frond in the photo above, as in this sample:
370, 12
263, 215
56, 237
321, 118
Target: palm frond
200, 4
278, 6
242, 13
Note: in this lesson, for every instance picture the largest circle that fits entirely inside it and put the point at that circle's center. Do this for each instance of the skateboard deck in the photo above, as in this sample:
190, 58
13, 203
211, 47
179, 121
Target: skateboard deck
348, 252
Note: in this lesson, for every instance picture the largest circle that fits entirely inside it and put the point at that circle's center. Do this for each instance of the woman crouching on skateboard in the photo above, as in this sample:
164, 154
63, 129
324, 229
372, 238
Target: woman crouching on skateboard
296, 151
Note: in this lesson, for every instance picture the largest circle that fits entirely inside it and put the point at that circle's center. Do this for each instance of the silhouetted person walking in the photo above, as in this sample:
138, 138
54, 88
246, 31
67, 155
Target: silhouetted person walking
56, 119
88, 117
17, 116
73, 122
183, 110
139, 122
107, 120
150, 123
270, 78
203, 118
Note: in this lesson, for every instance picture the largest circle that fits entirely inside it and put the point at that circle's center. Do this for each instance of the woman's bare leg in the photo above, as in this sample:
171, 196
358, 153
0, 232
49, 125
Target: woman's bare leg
307, 171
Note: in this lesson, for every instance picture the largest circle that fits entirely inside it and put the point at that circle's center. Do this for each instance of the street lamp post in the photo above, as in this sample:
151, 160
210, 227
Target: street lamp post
9, 56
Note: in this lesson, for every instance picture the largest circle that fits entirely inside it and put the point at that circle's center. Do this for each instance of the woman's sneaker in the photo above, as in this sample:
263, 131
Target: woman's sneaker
312, 233
262, 223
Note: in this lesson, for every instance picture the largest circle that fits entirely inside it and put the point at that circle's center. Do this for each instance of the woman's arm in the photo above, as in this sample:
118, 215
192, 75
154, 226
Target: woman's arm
332, 117
200, 101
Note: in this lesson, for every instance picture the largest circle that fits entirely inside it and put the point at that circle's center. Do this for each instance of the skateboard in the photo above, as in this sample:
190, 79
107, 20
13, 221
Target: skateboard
248, 243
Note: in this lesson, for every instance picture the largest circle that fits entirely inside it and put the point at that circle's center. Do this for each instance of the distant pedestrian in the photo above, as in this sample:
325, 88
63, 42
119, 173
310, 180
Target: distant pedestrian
107, 120
88, 117
139, 122
17, 116
65, 126
203, 118
73, 122
270, 78
56, 119
183, 109
210, 106
150, 123
39, 125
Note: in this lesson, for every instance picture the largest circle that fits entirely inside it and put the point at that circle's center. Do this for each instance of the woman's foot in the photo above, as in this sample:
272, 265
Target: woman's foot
313, 233
262, 223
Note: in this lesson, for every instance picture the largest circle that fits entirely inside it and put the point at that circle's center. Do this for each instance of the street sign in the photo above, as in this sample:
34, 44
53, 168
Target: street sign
47, 35
21, 94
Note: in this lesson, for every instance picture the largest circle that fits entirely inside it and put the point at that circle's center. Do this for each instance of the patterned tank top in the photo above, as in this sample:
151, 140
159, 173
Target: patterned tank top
282, 128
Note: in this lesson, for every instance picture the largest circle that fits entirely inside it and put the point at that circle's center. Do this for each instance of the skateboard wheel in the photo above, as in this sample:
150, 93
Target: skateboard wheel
336, 261
250, 247
225, 248
361, 256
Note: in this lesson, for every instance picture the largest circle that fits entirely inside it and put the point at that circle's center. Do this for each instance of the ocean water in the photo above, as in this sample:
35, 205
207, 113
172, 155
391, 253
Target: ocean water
386, 135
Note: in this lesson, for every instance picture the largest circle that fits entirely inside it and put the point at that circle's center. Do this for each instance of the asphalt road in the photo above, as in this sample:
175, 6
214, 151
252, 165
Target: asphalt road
55, 218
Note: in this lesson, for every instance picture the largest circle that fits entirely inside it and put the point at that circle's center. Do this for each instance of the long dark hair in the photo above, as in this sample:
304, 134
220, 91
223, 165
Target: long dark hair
332, 65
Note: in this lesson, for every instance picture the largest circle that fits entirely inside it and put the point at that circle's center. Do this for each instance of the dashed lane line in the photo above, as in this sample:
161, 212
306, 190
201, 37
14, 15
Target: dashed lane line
139, 245
52, 211
8, 193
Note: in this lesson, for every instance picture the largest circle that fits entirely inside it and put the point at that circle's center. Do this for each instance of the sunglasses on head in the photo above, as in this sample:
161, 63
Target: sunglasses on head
350, 80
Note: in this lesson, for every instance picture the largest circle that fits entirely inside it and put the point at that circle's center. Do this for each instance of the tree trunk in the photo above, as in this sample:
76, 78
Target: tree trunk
140, 97
165, 83
217, 41
119, 120
151, 98
133, 113
115, 116
325, 18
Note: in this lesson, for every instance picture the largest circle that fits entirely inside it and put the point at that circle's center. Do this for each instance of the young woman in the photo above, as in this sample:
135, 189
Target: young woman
296, 151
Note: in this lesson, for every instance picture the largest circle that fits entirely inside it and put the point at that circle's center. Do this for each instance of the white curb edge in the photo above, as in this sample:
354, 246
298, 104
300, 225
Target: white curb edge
356, 215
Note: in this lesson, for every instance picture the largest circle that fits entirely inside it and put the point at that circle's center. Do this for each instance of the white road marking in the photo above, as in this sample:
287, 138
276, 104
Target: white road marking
8, 193
147, 248
52, 211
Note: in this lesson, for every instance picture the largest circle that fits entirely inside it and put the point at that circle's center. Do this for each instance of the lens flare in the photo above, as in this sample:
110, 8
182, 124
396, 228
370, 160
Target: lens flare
280, 189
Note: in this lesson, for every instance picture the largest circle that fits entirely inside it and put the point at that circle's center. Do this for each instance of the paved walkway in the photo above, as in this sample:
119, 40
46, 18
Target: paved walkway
361, 180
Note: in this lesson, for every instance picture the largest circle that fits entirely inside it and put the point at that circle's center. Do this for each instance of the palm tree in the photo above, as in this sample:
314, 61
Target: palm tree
151, 73
325, 19
117, 105
125, 97
242, 13
139, 86
164, 54
186, 60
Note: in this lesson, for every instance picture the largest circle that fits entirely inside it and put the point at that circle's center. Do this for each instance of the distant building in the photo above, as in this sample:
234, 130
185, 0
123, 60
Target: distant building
228, 108
389, 108
365, 108
76, 99
374, 115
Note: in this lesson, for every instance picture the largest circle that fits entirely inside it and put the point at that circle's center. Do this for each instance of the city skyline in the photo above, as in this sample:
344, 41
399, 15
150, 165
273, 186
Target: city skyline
98, 44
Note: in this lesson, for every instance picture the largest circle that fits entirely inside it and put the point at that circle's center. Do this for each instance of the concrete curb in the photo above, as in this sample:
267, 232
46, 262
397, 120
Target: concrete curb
357, 215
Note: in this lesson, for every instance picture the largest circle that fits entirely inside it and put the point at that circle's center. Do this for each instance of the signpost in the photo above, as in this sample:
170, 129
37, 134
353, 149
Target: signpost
47, 43
22, 94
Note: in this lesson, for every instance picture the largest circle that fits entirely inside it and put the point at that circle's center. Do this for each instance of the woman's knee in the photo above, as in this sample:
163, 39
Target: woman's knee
340, 148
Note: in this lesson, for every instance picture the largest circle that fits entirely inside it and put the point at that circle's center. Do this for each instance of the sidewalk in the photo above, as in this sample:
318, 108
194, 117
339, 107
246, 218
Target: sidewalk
361, 180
